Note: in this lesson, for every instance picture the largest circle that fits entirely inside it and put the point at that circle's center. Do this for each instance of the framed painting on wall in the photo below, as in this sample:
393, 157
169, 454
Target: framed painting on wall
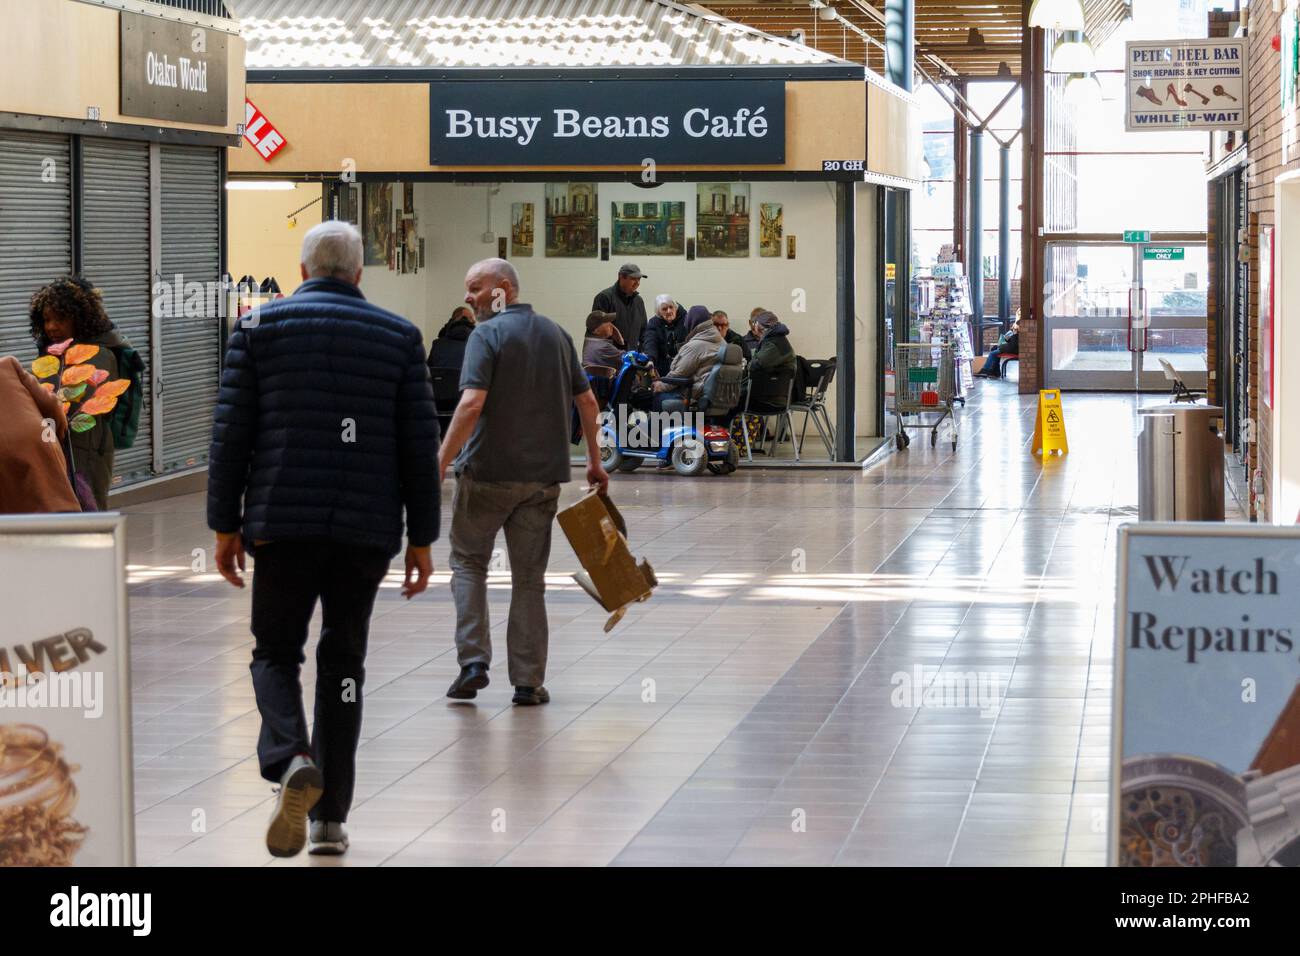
572, 220
377, 228
770, 227
648, 228
722, 220
521, 229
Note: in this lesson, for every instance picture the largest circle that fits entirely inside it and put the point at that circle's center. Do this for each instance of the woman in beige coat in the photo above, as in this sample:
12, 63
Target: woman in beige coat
694, 360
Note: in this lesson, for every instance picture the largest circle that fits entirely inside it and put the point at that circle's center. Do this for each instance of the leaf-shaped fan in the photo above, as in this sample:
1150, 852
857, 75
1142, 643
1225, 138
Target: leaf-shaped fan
115, 387
66, 406
98, 405
80, 353
77, 374
59, 348
81, 422
45, 366
48, 386
72, 393
100, 375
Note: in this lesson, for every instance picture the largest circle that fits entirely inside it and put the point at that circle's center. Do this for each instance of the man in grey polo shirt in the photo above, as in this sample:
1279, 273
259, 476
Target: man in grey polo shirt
509, 441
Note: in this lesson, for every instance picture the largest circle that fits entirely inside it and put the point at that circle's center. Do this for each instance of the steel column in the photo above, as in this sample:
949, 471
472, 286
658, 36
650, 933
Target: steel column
845, 325
1004, 237
974, 247
900, 42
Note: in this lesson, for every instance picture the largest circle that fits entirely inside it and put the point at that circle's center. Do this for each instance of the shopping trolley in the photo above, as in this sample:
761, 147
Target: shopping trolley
923, 385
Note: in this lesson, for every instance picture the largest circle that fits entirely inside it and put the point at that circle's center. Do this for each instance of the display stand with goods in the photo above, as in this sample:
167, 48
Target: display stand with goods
942, 302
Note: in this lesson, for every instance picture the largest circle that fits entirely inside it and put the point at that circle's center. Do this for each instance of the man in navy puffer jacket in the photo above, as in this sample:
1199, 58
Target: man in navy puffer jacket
325, 431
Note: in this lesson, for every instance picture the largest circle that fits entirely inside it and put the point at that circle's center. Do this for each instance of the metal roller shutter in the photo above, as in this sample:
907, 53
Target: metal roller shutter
115, 257
35, 228
191, 345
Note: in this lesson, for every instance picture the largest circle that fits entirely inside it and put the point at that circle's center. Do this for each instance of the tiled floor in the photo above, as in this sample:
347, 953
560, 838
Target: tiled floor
758, 710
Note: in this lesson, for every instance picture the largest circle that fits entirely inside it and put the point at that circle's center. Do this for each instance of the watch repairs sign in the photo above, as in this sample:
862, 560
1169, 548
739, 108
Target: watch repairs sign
611, 123
1186, 84
1206, 747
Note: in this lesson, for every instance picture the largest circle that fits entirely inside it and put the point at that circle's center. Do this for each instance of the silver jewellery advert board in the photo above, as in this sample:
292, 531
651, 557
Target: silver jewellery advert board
66, 779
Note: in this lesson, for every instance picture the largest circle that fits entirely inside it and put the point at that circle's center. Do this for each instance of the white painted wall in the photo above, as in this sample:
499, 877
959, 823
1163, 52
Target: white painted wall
1284, 487
452, 219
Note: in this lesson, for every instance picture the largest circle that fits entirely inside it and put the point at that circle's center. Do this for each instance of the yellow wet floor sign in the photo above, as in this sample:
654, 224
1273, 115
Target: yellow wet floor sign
1049, 424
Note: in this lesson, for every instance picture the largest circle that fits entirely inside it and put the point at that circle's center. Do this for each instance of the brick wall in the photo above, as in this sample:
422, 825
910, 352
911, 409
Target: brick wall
1264, 150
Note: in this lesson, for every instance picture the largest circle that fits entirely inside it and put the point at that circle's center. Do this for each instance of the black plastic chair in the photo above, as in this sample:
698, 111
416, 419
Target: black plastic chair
818, 374
777, 383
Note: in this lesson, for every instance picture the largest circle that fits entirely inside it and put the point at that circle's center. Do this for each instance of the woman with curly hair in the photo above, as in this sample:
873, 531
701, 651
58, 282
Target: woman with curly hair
70, 308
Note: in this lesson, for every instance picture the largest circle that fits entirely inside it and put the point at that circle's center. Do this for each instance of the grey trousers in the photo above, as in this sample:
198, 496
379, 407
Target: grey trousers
525, 510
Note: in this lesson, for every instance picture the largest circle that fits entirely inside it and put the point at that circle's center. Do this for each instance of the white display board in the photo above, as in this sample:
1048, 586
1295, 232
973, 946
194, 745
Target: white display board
1185, 84
1206, 743
66, 795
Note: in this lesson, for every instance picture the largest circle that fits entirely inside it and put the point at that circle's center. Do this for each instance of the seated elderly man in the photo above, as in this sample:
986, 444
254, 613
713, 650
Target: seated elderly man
773, 354
723, 325
602, 348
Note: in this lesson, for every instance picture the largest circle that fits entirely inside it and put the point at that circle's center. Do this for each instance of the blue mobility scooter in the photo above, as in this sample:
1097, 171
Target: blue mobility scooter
687, 435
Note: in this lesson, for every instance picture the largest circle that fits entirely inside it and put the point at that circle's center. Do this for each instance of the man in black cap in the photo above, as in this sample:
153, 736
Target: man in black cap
603, 345
623, 300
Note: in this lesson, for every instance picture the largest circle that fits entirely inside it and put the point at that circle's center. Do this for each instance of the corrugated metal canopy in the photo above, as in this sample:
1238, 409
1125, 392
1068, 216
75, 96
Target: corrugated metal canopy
971, 38
327, 34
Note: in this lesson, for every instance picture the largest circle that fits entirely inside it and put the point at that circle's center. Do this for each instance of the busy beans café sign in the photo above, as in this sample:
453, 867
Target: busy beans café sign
607, 122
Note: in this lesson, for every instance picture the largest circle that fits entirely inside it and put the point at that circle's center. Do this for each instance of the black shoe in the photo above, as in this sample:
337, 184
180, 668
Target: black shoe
529, 696
473, 678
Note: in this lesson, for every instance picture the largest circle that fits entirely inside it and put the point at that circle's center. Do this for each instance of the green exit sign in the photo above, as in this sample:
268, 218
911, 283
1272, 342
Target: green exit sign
1162, 253
1137, 235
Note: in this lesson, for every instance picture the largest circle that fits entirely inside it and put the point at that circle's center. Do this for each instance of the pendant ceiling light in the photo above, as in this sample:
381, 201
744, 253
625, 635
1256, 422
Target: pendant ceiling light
1057, 14
1073, 54
1082, 89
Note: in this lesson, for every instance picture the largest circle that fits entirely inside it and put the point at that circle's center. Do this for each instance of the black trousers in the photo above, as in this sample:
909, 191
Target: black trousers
288, 578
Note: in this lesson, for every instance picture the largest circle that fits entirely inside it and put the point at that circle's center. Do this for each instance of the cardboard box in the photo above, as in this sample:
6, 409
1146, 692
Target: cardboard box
610, 574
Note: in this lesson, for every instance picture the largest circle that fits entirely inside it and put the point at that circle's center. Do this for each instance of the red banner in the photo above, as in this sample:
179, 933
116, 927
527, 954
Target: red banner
259, 132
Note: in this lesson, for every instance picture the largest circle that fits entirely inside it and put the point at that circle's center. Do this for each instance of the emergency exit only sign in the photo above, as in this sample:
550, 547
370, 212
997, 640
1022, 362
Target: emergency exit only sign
1162, 253
1185, 84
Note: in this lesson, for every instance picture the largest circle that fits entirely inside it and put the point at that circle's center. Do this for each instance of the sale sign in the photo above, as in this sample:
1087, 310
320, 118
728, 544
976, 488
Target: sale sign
259, 132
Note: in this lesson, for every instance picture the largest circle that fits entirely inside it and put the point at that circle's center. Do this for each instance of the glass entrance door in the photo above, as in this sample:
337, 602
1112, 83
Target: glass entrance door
1114, 311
